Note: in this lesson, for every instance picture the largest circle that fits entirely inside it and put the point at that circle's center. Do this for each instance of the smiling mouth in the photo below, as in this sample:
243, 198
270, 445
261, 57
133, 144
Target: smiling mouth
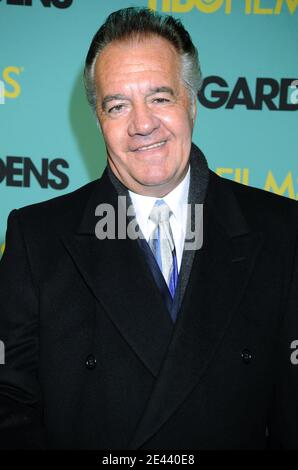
149, 147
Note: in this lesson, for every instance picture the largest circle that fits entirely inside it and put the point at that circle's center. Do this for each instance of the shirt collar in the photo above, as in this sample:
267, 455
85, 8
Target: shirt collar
174, 199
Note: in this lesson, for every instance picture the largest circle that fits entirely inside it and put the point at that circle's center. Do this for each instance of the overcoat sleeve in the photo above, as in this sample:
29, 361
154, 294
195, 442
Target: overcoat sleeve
20, 394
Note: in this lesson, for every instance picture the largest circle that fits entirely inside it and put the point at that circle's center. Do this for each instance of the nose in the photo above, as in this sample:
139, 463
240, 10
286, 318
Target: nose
143, 121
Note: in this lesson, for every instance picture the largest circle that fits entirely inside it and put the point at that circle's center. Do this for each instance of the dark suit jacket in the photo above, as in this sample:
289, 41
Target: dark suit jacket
93, 359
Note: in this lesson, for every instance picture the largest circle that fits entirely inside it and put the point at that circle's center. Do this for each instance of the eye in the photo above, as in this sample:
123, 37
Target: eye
116, 109
161, 100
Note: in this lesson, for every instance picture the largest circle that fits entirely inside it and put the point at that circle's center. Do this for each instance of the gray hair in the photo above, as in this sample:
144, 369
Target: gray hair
136, 23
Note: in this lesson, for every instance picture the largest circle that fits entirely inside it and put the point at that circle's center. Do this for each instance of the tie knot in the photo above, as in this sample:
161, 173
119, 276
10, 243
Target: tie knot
160, 212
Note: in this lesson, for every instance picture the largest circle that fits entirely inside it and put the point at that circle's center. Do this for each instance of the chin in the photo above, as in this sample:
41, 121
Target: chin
153, 181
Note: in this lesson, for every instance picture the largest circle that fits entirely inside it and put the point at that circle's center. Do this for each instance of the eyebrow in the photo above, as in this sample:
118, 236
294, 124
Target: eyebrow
152, 91
109, 98
161, 89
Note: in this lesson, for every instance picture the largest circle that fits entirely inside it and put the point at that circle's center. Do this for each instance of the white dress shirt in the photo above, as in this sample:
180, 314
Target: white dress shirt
177, 201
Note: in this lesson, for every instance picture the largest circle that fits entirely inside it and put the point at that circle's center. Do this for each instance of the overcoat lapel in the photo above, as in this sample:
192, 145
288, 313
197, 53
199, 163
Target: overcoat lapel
219, 276
119, 277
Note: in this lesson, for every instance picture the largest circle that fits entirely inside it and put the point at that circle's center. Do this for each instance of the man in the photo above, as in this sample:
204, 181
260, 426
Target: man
106, 346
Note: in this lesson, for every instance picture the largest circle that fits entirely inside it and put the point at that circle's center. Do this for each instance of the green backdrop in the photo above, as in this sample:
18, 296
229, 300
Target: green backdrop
247, 117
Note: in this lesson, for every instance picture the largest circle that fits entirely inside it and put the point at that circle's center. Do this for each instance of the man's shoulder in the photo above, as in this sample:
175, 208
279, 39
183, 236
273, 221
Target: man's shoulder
60, 210
257, 205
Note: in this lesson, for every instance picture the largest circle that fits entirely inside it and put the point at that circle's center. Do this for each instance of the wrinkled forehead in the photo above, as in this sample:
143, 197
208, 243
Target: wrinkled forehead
132, 59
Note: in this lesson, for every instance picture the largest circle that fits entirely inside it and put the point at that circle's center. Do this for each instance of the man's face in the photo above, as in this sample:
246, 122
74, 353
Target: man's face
144, 113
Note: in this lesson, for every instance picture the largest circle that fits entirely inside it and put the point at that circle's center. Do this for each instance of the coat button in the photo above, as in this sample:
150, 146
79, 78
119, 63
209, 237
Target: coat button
90, 362
246, 356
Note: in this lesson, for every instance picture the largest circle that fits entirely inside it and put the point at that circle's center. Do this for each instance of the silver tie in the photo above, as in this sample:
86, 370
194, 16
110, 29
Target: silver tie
161, 239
